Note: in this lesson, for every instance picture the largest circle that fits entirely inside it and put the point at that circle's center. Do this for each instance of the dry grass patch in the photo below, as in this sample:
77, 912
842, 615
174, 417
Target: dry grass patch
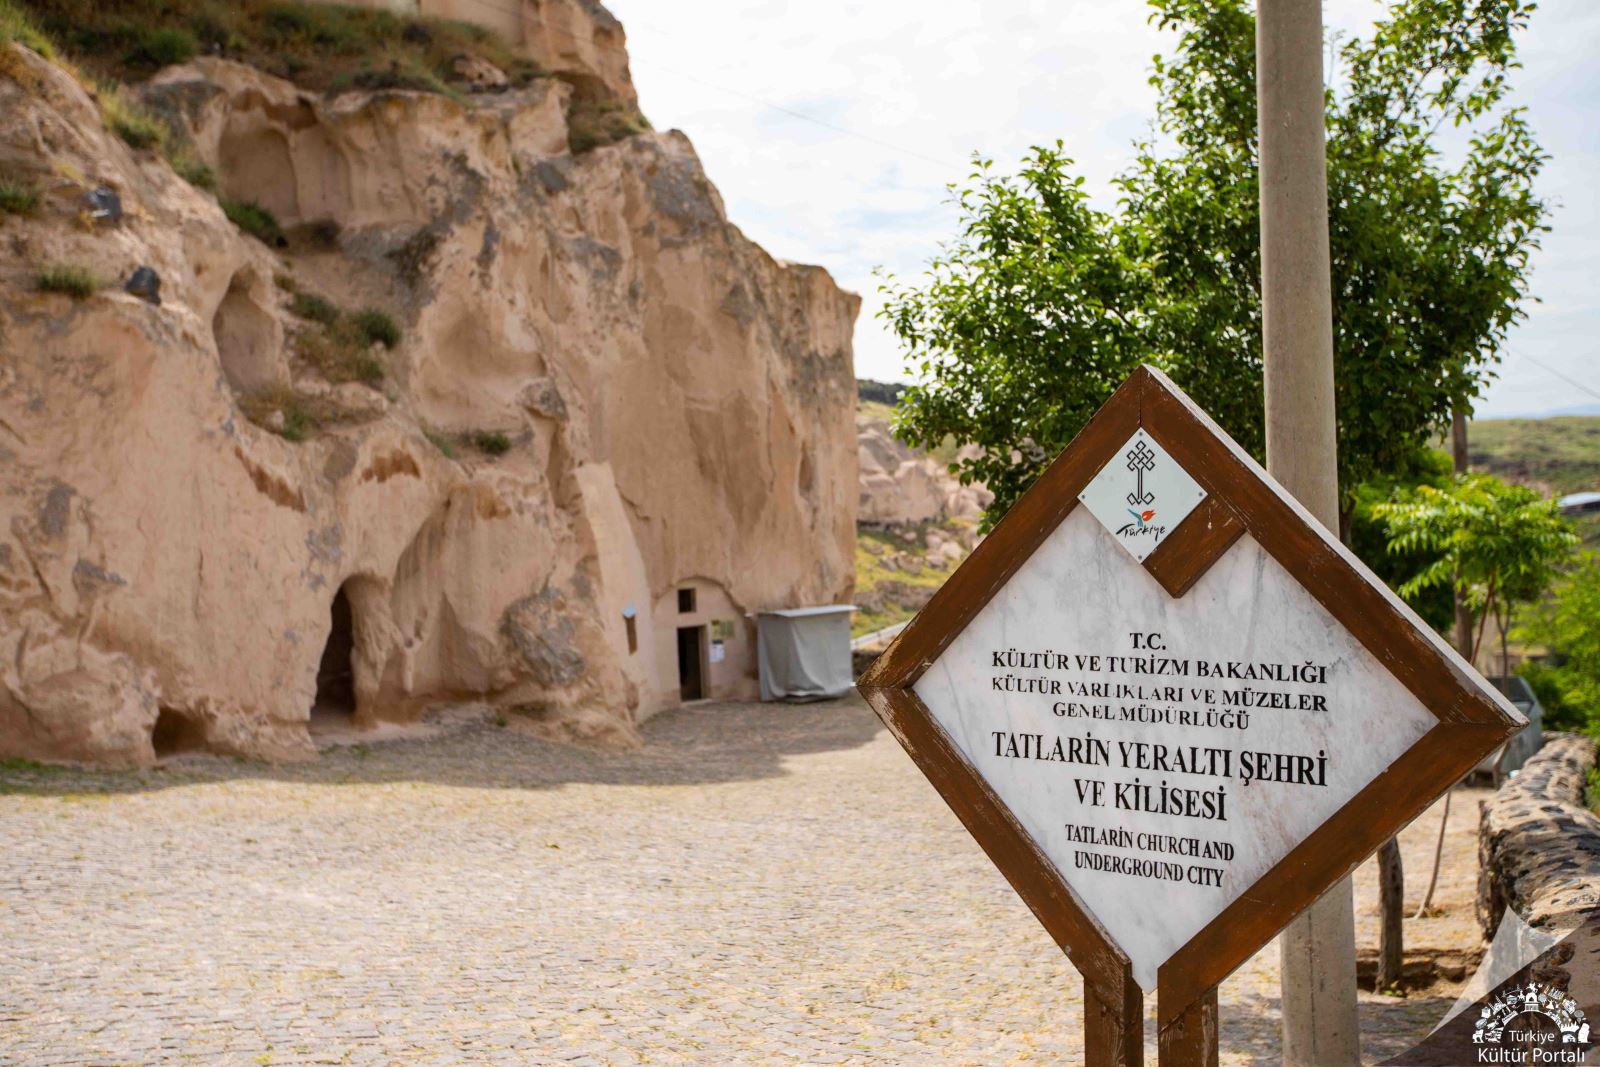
593, 123
19, 197
318, 46
80, 283
341, 345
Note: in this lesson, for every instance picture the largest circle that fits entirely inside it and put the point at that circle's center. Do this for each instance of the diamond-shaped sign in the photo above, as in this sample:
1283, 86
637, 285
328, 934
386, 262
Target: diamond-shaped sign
1141, 494
1171, 749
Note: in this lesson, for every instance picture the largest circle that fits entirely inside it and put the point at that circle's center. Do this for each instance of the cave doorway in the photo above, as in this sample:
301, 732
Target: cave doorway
691, 684
335, 704
176, 733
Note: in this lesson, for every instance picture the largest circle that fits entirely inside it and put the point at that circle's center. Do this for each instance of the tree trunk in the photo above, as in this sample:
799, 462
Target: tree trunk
1505, 640
1458, 436
1464, 645
1392, 904
1438, 854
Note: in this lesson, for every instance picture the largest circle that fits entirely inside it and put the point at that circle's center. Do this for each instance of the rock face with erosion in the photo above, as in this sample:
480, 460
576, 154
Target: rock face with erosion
592, 428
902, 486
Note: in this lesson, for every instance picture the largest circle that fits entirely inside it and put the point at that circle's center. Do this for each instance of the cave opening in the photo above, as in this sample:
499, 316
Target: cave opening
176, 732
335, 703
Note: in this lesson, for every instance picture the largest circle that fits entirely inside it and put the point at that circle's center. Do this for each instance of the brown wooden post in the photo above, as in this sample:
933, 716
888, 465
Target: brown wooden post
1392, 913
1190, 1040
1113, 1024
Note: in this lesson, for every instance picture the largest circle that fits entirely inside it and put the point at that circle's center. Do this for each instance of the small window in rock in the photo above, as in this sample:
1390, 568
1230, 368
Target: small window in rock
685, 601
633, 633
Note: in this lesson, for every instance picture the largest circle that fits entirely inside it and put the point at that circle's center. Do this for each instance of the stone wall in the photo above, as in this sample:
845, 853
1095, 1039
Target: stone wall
1538, 846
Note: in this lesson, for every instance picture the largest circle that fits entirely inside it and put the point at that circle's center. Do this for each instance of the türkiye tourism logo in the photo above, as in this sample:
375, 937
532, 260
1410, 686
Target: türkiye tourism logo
1141, 495
1140, 459
1534, 1023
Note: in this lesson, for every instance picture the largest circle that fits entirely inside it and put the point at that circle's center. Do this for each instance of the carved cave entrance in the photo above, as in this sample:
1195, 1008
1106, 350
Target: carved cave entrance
177, 732
335, 704
691, 655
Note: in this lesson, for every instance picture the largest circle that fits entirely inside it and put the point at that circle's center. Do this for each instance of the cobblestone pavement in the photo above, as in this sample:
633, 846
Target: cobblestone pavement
757, 885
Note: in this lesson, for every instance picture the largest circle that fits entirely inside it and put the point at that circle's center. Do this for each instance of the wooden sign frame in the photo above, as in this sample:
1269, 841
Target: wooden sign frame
1240, 498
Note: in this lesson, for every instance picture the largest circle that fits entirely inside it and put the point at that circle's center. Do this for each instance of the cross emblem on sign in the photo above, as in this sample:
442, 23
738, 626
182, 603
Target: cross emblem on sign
1141, 459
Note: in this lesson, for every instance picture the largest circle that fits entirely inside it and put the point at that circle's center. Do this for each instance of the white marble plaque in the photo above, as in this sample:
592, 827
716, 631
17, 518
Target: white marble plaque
1164, 753
1141, 495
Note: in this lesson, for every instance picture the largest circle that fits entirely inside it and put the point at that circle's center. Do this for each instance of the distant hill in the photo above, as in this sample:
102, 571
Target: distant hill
871, 392
1558, 456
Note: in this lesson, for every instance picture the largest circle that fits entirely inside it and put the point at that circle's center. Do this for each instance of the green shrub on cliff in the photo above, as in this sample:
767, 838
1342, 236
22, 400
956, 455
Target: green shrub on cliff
77, 282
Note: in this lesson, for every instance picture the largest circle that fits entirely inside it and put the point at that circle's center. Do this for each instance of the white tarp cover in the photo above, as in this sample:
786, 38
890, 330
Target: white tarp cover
804, 653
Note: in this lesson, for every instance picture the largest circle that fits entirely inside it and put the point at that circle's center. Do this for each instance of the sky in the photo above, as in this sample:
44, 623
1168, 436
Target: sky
833, 129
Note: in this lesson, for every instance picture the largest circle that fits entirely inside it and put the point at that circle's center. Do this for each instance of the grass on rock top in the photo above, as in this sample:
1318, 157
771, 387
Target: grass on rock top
318, 46
321, 47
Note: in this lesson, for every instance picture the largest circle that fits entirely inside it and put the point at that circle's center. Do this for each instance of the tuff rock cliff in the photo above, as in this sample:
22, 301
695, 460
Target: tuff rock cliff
585, 389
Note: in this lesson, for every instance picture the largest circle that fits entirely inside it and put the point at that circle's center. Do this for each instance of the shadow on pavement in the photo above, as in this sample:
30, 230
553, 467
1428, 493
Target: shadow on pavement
698, 744
1251, 1026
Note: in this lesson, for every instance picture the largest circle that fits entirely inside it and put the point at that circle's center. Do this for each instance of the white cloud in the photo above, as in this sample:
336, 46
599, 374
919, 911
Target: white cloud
923, 86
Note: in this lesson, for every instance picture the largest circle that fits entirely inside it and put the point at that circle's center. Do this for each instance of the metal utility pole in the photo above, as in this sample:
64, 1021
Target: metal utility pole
1318, 949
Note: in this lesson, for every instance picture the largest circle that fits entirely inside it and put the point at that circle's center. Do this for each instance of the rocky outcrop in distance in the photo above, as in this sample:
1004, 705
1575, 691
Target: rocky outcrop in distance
486, 420
904, 486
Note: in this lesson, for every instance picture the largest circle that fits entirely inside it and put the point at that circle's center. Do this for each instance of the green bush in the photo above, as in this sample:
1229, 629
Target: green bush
441, 442
339, 350
491, 442
376, 326
193, 171
254, 220
297, 425
396, 76
1567, 623
16, 26
18, 198
368, 369
314, 308
595, 122
76, 282
160, 46
129, 121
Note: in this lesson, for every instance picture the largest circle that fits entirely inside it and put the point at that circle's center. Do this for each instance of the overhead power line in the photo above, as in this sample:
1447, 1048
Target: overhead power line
1564, 377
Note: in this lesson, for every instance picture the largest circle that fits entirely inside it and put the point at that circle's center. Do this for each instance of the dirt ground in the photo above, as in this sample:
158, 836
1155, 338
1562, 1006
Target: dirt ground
758, 884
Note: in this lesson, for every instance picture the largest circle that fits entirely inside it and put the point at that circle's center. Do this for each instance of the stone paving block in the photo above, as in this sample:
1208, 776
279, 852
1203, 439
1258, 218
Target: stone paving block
757, 885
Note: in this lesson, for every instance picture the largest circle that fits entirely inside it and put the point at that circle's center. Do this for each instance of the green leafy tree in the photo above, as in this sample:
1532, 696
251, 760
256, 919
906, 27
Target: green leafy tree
1042, 304
1499, 544
1368, 536
1568, 623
